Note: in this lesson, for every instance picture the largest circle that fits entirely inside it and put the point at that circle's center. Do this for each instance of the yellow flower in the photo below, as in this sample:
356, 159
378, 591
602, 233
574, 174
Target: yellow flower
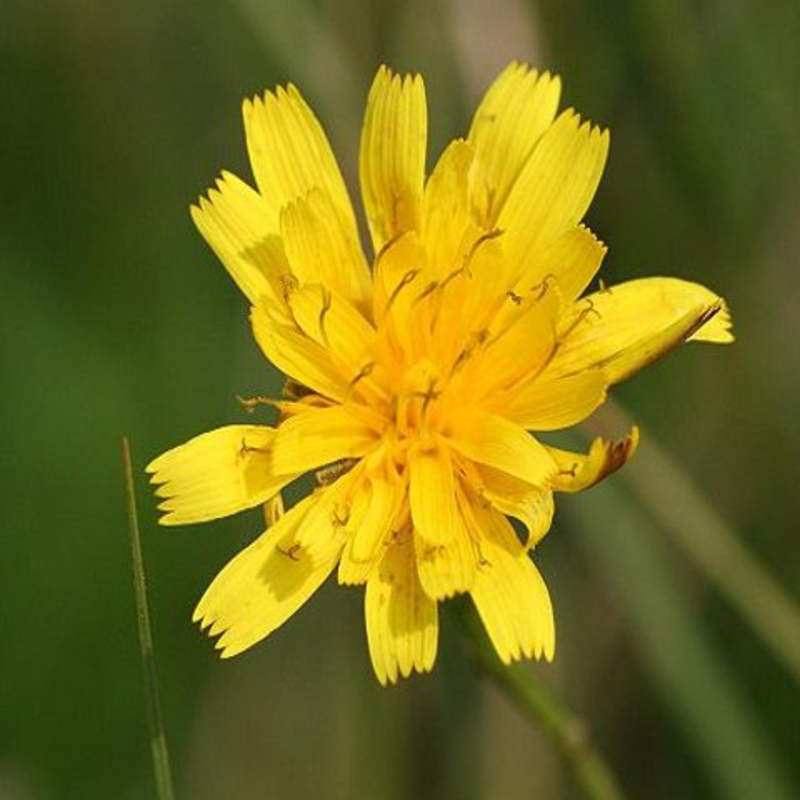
416, 379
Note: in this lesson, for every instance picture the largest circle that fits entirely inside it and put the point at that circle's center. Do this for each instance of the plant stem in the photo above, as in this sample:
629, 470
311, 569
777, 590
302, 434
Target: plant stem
567, 731
158, 741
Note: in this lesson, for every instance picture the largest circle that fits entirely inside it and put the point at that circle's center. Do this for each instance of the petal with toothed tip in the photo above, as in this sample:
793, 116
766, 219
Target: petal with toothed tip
554, 187
267, 583
402, 621
216, 474
510, 593
392, 155
518, 108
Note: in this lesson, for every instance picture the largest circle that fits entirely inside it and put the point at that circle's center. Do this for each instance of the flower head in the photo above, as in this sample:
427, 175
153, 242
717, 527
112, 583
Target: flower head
419, 379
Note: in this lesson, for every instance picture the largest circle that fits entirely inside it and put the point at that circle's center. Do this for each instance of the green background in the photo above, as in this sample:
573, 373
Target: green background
116, 319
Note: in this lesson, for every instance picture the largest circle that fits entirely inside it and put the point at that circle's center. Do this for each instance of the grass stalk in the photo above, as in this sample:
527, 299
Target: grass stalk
158, 740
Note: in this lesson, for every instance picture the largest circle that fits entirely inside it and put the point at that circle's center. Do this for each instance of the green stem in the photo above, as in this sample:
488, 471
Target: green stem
158, 741
567, 731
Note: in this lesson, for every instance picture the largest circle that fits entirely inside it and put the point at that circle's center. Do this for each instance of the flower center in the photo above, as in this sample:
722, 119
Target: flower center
416, 404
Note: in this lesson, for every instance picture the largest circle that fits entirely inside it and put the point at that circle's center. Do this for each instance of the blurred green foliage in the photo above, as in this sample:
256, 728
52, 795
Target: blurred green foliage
115, 318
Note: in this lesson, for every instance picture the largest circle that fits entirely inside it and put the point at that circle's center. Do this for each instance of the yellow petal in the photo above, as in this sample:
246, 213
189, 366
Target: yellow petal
400, 274
369, 535
392, 155
318, 437
397, 271
531, 505
523, 340
239, 227
377, 513
298, 356
517, 109
487, 272
549, 404
447, 228
333, 322
448, 568
216, 474
402, 623
385, 496
432, 494
465, 317
572, 261
577, 471
274, 509
339, 503
627, 327
323, 248
266, 583
510, 594
495, 441
554, 188
289, 152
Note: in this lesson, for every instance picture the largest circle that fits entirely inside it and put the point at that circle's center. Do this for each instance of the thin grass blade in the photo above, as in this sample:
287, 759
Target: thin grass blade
158, 740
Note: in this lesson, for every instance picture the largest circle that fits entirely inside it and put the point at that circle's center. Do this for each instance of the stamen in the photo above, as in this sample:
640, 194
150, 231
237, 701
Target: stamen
477, 339
455, 274
245, 449
543, 286
273, 510
428, 396
529, 371
463, 271
428, 290
386, 247
293, 552
249, 404
294, 390
584, 314
327, 301
483, 562
363, 373
470, 254
289, 284
341, 515
405, 281
416, 414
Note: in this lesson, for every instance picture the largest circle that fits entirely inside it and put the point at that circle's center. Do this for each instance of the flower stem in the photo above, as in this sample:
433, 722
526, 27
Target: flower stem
158, 741
534, 699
